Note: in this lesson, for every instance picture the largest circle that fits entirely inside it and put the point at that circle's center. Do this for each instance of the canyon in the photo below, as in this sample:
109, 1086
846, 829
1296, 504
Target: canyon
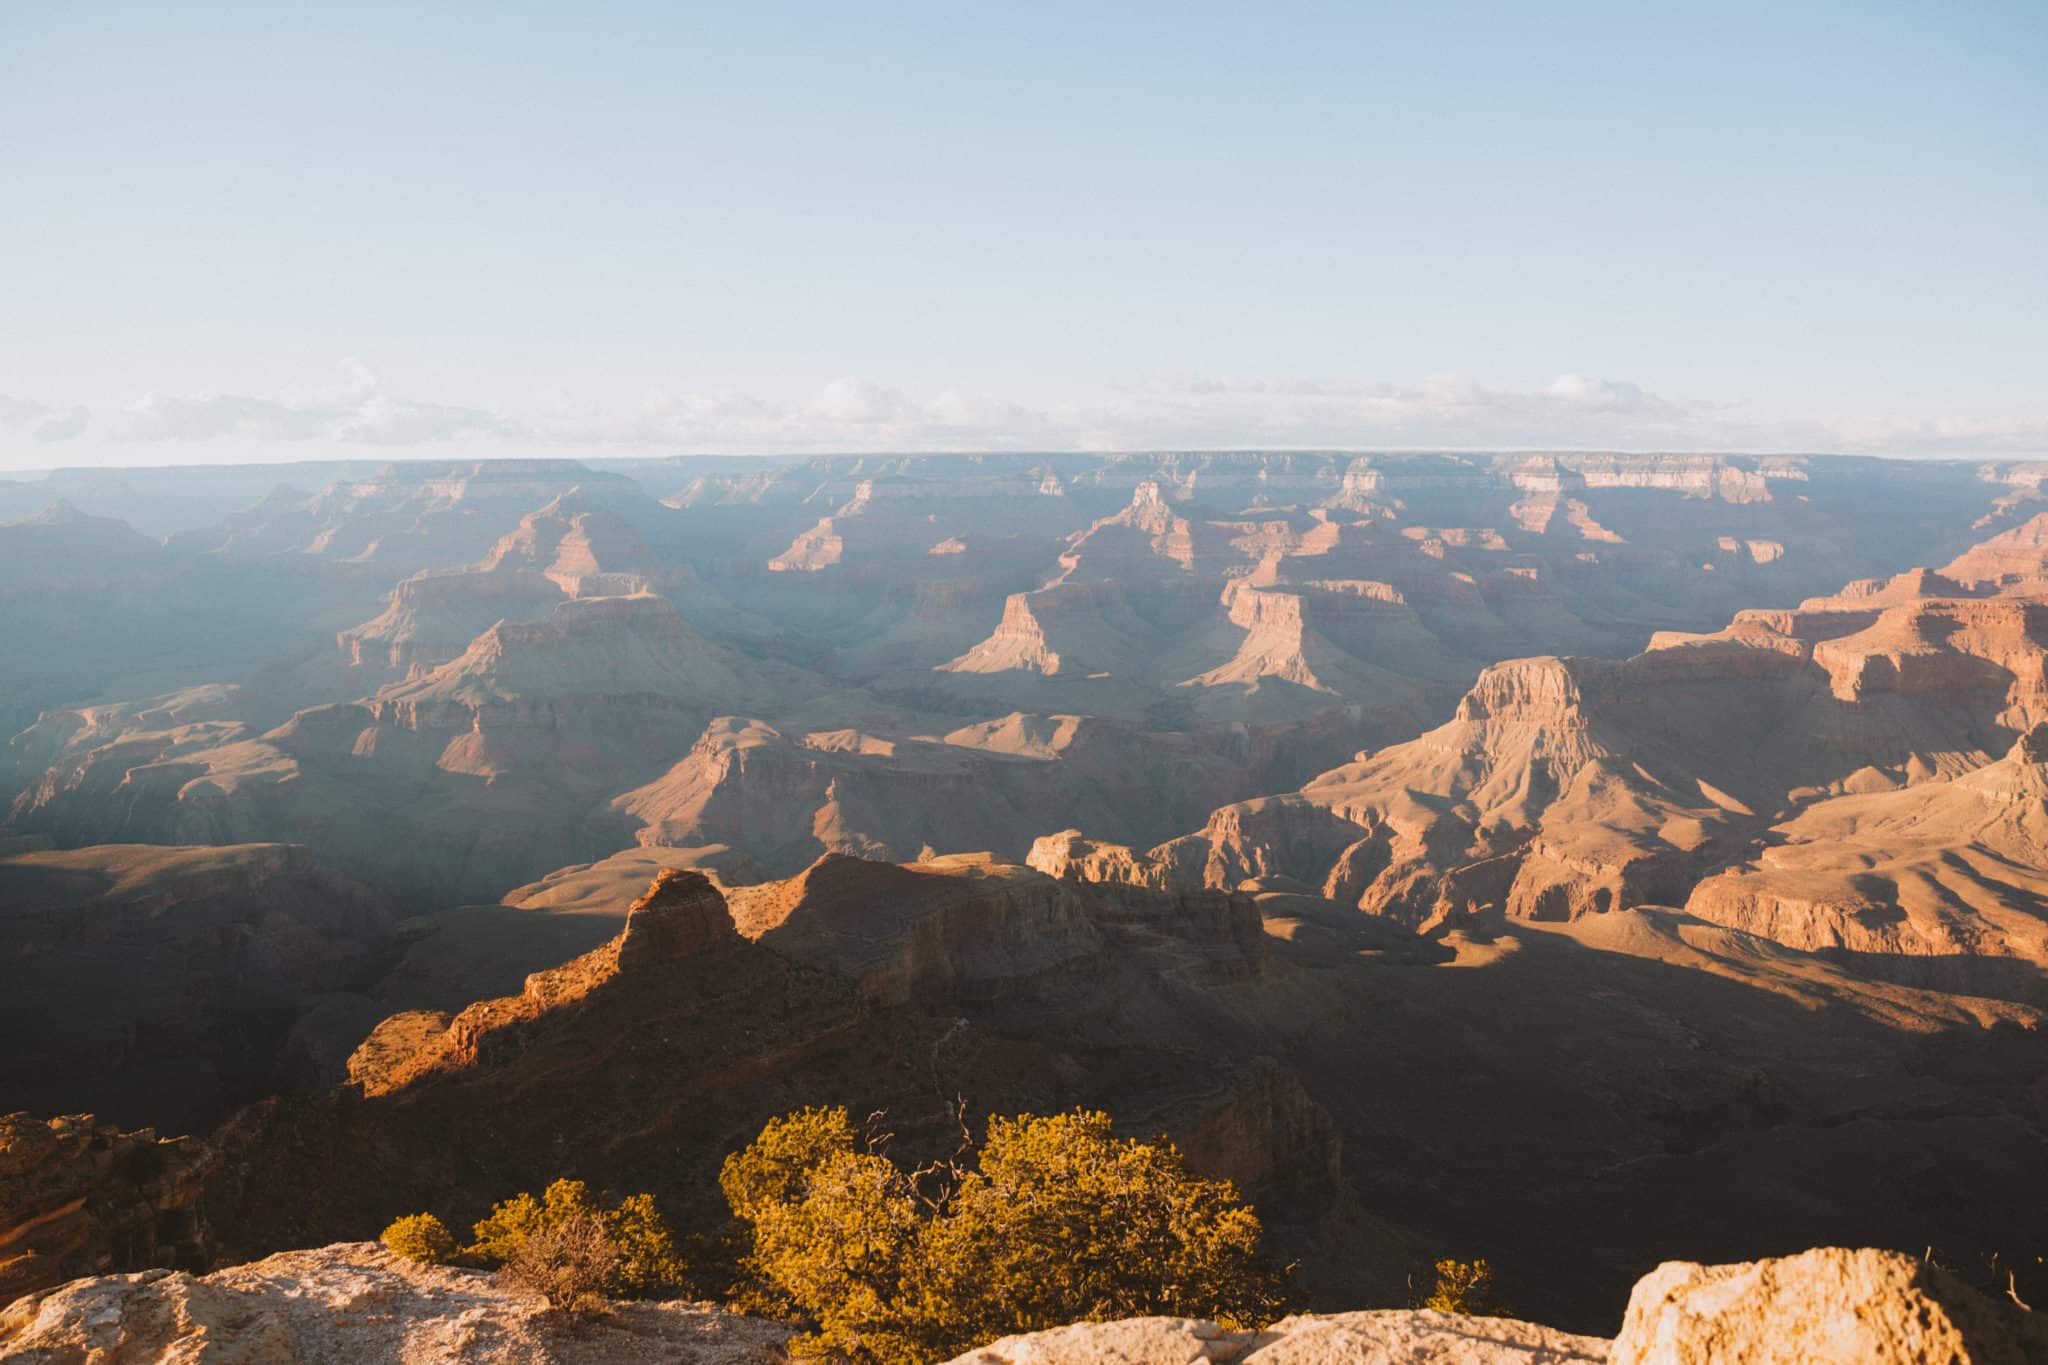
1581, 861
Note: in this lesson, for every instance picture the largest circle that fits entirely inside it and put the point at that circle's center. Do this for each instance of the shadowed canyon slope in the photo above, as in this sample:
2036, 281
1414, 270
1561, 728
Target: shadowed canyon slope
1351, 1084
1578, 861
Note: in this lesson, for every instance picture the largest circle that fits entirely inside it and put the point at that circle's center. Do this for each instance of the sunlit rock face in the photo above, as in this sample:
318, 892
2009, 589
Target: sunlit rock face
1428, 843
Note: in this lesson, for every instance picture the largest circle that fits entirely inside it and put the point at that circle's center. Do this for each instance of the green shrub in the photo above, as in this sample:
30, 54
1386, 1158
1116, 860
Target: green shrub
420, 1237
1059, 1220
639, 1255
773, 1168
1464, 1287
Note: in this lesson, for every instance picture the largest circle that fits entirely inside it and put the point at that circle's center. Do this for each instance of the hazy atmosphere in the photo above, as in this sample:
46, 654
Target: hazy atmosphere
252, 232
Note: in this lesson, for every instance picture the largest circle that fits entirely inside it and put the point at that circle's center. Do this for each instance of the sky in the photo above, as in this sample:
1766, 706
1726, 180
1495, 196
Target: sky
278, 232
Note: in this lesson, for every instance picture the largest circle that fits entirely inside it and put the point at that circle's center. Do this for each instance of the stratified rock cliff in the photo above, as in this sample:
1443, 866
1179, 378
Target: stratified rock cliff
1852, 775
84, 1198
160, 984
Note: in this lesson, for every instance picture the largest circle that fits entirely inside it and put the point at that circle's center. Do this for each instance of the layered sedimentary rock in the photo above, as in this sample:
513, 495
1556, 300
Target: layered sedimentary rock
1828, 786
1249, 1025
786, 798
410, 516
1877, 740
159, 984
1940, 883
1278, 610
858, 983
94, 613
478, 774
433, 615
84, 1198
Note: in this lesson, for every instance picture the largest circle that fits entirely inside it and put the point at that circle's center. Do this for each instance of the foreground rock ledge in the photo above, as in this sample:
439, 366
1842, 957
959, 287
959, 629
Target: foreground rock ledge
356, 1304
1823, 1307
1392, 1337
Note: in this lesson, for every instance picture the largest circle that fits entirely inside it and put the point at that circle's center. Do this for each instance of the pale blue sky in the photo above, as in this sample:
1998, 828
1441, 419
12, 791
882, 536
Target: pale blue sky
284, 231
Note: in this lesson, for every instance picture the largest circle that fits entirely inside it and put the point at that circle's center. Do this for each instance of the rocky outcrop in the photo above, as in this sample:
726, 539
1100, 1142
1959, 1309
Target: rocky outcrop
1938, 884
83, 1198
1382, 1338
1264, 1132
433, 616
1829, 1306
595, 647
1566, 786
788, 798
412, 516
2011, 558
1071, 855
681, 917
1824, 1307
159, 984
358, 1303
1018, 643
933, 931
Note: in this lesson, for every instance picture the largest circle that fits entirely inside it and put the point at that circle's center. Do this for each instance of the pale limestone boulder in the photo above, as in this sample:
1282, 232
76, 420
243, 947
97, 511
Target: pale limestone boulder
356, 1304
1132, 1341
1395, 1337
1829, 1306
1419, 1337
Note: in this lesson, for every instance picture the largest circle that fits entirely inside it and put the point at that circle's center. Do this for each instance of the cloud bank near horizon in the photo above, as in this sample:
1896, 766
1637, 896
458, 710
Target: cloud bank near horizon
358, 409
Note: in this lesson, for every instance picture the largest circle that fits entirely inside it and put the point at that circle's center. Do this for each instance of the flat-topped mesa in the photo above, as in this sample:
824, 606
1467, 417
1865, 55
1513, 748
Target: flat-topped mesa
1072, 856
1018, 642
1275, 644
824, 544
434, 615
1539, 691
1732, 479
926, 932
818, 548
1792, 632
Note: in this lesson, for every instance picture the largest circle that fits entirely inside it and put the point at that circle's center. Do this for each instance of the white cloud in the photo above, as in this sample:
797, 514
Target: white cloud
355, 411
42, 421
1452, 410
